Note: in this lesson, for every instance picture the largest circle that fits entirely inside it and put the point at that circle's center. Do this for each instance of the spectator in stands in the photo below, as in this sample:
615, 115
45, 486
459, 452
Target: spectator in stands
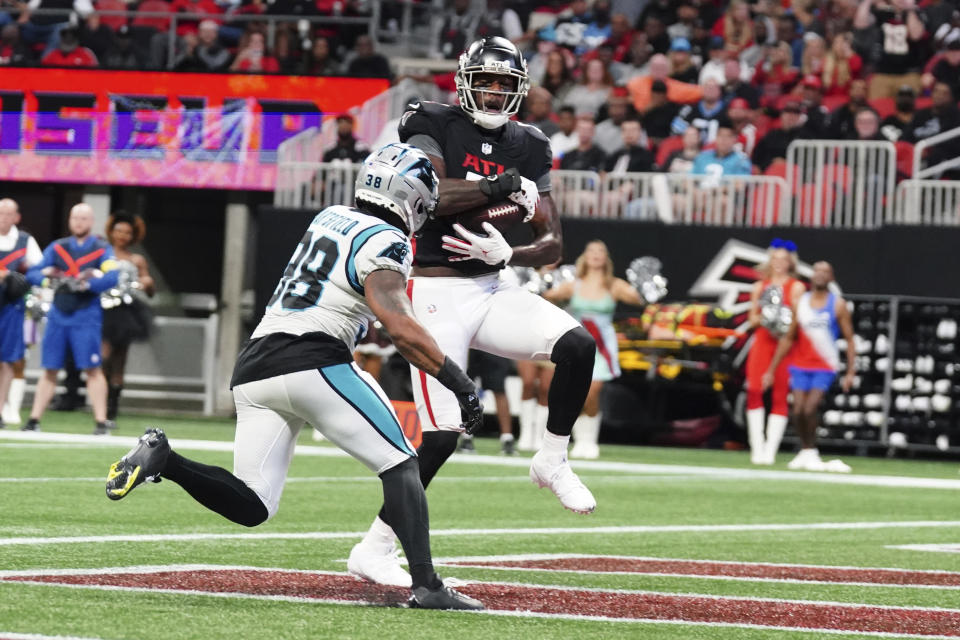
814, 55
681, 160
723, 159
901, 54
867, 125
455, 28
660, 113
680, 92
209, 54
599, 29
899, 124
754, 54
703, 116
632, 155
942, 115
947, 69
586, 156
570, 28
539, 111
657, 34
788, 31
734, 85
123, 54
811, 94
735, 27
12, 50
700, 41
663, 10
636, 62
713, 67
741, 117
366, 62
45, 27
841, 124
320, 61
69, 53
773, 146
681, 65
557, 78
939, 19
592, 91
621, 36
841, 66
566, 138
347, 148
503, 21
775, 76
609, 135
947, 31
96, 36
686, 17
253, 56
202, 7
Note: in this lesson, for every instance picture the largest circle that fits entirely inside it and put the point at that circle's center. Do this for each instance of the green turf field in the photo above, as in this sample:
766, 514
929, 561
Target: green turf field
663, 504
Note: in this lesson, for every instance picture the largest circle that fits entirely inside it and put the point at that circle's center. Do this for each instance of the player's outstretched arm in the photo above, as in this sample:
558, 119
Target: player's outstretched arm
386, 295
547, 243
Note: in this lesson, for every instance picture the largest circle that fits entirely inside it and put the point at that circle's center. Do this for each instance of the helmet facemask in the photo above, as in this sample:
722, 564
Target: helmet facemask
474, 89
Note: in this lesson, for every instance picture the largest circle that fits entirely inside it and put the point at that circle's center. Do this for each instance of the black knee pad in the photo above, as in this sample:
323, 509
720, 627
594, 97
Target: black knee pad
409, 467
576, 346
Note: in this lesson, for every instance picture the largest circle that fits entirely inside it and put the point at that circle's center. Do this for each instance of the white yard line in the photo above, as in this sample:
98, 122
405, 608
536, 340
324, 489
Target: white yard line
502, 461
7, 635
531, 531
940, 548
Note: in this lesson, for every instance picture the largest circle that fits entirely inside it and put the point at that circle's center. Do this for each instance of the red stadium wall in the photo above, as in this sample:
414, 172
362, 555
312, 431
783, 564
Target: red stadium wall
214, 131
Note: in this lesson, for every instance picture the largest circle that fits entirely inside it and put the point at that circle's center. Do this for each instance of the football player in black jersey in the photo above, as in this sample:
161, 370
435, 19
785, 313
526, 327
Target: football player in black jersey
483, 158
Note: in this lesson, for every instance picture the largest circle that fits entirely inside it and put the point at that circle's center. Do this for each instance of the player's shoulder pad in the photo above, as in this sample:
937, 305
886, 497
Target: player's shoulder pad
427, 118
529, 129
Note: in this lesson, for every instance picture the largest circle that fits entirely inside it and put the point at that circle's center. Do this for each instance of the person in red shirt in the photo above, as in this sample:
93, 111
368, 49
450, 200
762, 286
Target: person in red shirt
840, 67
69, 53
207, 7
254, 57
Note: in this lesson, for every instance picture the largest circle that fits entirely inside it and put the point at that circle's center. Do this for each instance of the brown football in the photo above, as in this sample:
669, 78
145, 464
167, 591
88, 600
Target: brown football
502, 215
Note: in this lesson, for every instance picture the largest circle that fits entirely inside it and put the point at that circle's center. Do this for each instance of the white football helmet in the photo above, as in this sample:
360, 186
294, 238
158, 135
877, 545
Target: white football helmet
401, 179
491, 56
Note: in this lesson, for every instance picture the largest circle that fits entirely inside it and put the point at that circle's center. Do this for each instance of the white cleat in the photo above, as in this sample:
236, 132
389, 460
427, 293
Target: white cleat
379, 564
585, 451
555, 472
799, 462
836, 466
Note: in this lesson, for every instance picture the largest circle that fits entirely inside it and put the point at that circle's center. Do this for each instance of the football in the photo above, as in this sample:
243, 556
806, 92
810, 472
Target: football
502, 215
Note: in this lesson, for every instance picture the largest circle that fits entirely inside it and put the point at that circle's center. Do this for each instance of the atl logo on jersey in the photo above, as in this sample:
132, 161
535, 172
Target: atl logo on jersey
481, 166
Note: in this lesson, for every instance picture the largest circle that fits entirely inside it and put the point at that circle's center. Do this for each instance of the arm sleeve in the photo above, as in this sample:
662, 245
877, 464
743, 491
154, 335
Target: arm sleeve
543, 180
426, 144
109, 278
34, 255
34, 273
385, 250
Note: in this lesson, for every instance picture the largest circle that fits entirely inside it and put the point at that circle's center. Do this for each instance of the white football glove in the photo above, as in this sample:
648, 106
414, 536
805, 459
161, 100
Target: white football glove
493, 249
528, 197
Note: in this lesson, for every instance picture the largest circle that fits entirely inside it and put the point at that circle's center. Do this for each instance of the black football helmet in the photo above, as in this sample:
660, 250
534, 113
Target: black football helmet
491, 56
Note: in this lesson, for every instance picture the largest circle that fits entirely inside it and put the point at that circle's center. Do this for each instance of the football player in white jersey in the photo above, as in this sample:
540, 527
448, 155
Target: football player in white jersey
296, 369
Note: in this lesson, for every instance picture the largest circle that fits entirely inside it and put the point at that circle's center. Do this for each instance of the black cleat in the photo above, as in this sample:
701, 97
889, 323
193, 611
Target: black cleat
466, 445
144, 462
443, 598
103, 428
31, 425
508, 447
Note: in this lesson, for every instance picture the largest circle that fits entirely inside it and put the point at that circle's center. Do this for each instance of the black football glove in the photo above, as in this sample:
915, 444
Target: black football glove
72, 285
498, 187
471, 409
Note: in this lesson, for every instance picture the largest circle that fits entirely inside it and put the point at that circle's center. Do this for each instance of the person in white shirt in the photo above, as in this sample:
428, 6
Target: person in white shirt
18, 252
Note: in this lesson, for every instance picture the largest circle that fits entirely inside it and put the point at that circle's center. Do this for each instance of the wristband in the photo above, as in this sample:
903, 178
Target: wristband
452, 377
498, 187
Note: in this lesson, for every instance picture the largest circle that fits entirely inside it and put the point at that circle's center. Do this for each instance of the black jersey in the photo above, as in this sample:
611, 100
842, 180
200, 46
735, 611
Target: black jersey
471, 152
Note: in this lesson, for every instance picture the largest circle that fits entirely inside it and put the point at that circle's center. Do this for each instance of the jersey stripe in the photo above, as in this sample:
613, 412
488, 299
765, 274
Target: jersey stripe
357, 244
348, 384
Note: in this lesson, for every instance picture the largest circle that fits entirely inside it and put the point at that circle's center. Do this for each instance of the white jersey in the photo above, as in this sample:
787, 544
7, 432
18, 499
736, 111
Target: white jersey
322, 288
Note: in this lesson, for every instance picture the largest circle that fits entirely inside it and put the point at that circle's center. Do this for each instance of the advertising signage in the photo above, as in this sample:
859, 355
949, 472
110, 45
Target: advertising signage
214, 131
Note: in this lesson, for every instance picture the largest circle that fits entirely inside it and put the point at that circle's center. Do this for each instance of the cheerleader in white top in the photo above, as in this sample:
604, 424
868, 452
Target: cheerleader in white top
819, 316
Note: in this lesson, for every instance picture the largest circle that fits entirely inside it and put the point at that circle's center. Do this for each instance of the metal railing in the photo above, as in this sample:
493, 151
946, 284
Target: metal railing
846, 184
926, 202
940, 167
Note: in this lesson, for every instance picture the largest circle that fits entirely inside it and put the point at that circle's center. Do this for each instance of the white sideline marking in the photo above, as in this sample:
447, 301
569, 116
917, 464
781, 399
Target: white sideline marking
941, 548
532, 531
465, 562
6, 635
520, 614
375, 479
501, 461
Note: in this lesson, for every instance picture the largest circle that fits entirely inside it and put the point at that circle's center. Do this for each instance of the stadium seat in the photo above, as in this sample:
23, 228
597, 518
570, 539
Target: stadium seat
668, 146
883, 106
114, 22
904, 159
832, 102
155, 23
